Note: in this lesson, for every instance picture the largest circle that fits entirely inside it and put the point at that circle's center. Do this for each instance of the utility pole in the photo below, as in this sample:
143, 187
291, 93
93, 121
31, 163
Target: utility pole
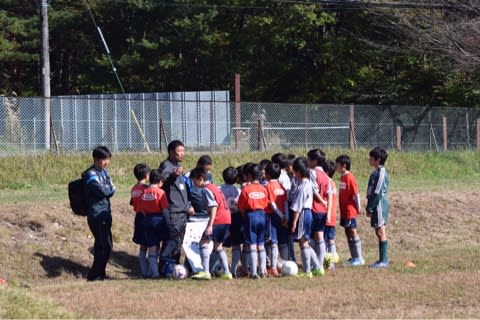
45, 68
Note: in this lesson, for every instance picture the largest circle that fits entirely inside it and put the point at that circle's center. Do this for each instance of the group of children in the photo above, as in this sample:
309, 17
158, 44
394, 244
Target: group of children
261, 210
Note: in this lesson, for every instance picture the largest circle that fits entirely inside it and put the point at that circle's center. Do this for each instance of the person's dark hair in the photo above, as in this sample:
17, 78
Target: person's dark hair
263, 163
254, 170
300, 165
329, 167
245, 169
240, 177
281, 159
316, 155
344, 160
379, 153
273, 170
155, 176
172, 146
204, 160
101, 153
290, 158
141, 171
199, 172
230, 175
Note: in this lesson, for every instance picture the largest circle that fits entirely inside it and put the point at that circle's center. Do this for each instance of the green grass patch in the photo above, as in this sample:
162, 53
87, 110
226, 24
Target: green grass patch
45, 176
21, 303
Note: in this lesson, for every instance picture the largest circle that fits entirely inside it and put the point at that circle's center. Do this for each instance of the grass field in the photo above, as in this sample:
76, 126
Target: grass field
433, 222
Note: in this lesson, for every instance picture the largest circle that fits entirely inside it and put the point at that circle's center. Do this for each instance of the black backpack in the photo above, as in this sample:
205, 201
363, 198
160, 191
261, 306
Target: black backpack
77, 197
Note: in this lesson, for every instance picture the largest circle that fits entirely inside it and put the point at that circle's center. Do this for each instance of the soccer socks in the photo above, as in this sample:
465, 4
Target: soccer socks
305, 253
223, 260
332, 248
205, 255
383, 248
351, 248
357, 245
321, 250
252, 261
283, 248
236, 253
143, 260
314, 259
274, 260
153, 264
291, 249
263, 261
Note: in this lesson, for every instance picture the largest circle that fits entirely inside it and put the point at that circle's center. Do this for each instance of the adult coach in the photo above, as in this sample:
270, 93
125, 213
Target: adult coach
179, 206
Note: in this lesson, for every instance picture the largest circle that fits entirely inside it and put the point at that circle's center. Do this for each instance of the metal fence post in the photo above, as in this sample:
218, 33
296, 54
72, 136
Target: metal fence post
478, 134
399, 138
351, 123
445, 134
237, 112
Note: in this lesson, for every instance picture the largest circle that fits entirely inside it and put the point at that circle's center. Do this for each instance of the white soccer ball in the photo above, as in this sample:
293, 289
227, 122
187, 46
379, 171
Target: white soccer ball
289, 268
179, 272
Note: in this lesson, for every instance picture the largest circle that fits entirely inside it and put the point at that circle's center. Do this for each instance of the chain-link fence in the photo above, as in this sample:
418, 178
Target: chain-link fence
147, 123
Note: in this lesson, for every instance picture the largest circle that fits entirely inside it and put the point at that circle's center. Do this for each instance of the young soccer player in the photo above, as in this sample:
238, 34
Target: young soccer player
263, 164
195, 194
232, 193
141, 172
332, 256
218, 224
275, 215
252, 202
320, 182
283, 161
301, 228
293, 186
349, 201
98, 191
377, 203
154, 205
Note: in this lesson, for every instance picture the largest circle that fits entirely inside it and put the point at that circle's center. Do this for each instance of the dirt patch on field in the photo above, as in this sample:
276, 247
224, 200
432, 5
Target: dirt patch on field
47, 248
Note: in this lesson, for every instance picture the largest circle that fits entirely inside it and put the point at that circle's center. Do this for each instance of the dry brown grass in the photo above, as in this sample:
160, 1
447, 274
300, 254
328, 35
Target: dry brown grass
46, 248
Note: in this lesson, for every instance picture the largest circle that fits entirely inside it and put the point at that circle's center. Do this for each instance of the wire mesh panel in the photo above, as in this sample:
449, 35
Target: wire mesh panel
208, 121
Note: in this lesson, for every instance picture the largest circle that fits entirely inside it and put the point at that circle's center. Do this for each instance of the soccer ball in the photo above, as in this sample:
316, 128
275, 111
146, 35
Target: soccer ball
179, 272
289, 268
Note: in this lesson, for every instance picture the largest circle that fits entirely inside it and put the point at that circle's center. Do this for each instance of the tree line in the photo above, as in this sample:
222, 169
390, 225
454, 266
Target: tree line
285, 51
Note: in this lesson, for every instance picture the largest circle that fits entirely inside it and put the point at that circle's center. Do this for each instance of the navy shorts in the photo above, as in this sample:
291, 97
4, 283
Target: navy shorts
329, 233
348, 223
139, 229
274, 226
156, 229
219, 233
304, 225
255, 227
319, 222
236, 237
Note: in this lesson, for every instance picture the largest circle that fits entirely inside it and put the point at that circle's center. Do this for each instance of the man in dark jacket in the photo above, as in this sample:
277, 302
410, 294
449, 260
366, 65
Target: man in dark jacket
98, 190
180, 208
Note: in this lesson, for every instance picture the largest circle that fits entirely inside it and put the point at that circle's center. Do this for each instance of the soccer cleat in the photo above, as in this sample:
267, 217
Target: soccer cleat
358, 262
354, 262
318, 272
306, 275
226, 276
255, 277
202, 276
378, 265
